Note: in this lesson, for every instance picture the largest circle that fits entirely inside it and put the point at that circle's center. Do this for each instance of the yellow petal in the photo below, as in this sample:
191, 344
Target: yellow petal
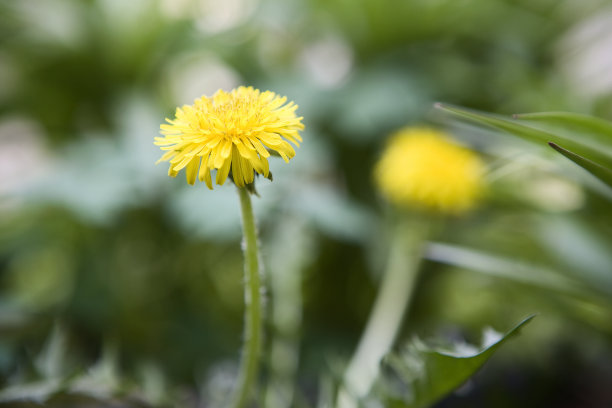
192, 170
223, 172
237, 171
204, 174
263, 152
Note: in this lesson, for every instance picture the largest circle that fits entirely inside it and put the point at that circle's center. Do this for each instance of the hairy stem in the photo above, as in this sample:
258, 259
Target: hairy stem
253, 306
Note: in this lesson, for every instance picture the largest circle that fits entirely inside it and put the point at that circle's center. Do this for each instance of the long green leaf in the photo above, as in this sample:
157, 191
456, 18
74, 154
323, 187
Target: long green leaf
499, 122
505, 268
589, 127
602, 173
526, 130
426, 374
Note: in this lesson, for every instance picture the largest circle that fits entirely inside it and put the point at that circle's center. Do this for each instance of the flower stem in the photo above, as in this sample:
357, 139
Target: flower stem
387, 313
253, 308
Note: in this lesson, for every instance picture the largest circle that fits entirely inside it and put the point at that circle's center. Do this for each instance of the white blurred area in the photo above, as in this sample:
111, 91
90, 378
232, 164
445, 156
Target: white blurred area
328, 61
211, 16
51, 21
585, 54
24, 158
192, 76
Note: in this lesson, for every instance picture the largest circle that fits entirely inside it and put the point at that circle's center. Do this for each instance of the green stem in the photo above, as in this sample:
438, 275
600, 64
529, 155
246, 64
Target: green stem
253, 309
387, 314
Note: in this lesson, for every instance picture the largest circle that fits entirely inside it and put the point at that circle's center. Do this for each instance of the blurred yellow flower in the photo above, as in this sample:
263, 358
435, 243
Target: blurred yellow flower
422, 168
232, 131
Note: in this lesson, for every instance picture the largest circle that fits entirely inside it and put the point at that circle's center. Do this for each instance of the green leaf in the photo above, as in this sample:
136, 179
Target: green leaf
50, 362
598, 152
38, 392
420, 375
103, 379
517, 270
602, 173
499, 122
588, 127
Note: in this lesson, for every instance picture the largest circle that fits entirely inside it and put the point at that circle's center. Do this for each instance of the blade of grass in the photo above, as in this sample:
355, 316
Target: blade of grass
602, 173
596, 129
531, 134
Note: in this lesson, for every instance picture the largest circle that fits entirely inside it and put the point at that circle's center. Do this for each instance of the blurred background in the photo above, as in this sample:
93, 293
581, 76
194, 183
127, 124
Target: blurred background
105, 262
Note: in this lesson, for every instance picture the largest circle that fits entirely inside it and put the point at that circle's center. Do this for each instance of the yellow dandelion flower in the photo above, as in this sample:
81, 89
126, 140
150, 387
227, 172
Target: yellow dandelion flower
230, 132
423, 168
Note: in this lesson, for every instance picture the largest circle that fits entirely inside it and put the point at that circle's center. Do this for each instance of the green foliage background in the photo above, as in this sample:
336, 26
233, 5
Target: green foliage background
96, 239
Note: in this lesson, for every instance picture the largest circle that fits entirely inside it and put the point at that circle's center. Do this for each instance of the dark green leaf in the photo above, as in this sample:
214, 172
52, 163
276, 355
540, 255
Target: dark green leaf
425, 374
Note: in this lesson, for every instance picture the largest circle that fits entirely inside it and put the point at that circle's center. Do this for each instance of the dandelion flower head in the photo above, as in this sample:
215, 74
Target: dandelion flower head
422, 168
230, 132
